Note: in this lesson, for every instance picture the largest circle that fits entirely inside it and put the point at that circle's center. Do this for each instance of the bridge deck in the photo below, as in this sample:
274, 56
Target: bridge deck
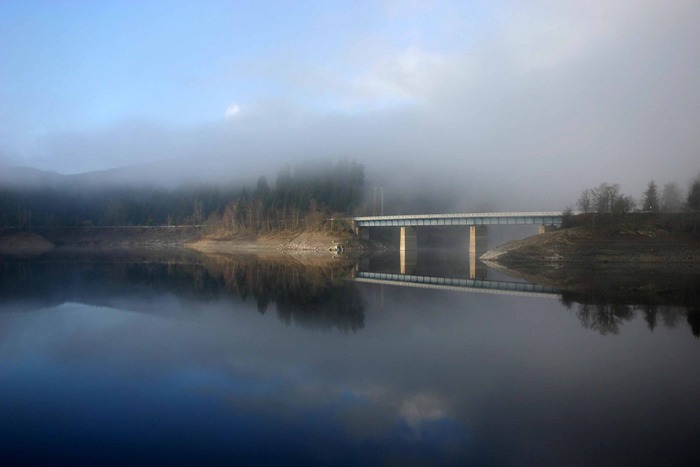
474, 218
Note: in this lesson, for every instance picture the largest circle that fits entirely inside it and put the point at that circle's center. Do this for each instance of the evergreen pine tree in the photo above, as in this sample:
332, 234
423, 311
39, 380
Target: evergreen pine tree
694, 196
651, 198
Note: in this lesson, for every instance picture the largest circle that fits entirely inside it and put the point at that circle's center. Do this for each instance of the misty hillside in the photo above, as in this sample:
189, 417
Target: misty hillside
300, 197
163, 174
19, 177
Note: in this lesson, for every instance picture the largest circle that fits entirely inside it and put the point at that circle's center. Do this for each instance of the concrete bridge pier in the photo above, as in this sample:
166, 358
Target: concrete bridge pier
362, 233
408, 260
408, 241
477, 269
546, 228
477, 239
478, 244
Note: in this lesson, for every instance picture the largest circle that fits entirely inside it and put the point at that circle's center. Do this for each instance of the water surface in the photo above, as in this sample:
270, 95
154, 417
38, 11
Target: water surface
184, 359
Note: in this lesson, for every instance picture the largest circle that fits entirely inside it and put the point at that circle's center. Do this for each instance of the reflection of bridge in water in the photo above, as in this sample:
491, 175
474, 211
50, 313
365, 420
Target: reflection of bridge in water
475, 225
522, 289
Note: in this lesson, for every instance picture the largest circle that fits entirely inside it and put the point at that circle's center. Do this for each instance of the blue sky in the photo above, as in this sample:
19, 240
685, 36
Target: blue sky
89, 85
78, 64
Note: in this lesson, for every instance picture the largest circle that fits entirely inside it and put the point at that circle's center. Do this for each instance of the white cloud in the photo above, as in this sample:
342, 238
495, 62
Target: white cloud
399, 77
233, 111
420, 408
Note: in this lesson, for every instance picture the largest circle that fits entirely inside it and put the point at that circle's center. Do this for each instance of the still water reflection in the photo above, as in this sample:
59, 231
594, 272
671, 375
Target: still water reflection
185, 359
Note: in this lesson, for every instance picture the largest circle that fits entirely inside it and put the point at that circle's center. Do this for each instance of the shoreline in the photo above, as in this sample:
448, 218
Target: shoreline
201, 239
285, 241
640, 242
584, 246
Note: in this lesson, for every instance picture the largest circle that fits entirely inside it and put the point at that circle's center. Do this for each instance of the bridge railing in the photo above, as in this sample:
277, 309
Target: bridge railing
462, 285
461, 215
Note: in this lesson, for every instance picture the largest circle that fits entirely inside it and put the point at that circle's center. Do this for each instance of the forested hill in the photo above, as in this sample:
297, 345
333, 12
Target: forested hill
300, 196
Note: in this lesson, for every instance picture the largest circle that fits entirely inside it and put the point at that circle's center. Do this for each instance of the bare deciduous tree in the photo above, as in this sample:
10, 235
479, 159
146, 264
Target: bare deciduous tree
585, 201
604, 197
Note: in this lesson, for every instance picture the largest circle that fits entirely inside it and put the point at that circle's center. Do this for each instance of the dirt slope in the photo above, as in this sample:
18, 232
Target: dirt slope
582, 245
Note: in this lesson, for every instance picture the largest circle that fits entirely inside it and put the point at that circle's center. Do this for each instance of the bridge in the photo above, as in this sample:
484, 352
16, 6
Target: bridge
522, 289
476, 222
473, 218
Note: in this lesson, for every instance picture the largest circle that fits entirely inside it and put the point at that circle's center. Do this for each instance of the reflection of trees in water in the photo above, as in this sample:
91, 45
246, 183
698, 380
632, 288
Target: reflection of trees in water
604, 318
36, 284
600, 313
309, 296
694, 321
337, 306
306, 295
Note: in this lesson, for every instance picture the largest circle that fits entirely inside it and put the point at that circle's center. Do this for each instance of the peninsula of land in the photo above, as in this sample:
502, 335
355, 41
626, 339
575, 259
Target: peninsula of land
636, 239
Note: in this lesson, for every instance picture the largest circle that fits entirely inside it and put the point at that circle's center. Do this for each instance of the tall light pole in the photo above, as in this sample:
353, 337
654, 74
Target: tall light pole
381, 194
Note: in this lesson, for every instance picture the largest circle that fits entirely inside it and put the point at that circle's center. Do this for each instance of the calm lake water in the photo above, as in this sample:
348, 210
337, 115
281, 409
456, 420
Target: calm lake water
181, 359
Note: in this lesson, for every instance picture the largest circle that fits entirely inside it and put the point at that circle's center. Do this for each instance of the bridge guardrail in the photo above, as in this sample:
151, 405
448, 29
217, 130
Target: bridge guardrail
461, 215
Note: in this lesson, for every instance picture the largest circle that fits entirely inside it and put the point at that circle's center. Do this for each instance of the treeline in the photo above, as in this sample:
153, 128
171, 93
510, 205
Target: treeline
298, 199
308, 193
608, 199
